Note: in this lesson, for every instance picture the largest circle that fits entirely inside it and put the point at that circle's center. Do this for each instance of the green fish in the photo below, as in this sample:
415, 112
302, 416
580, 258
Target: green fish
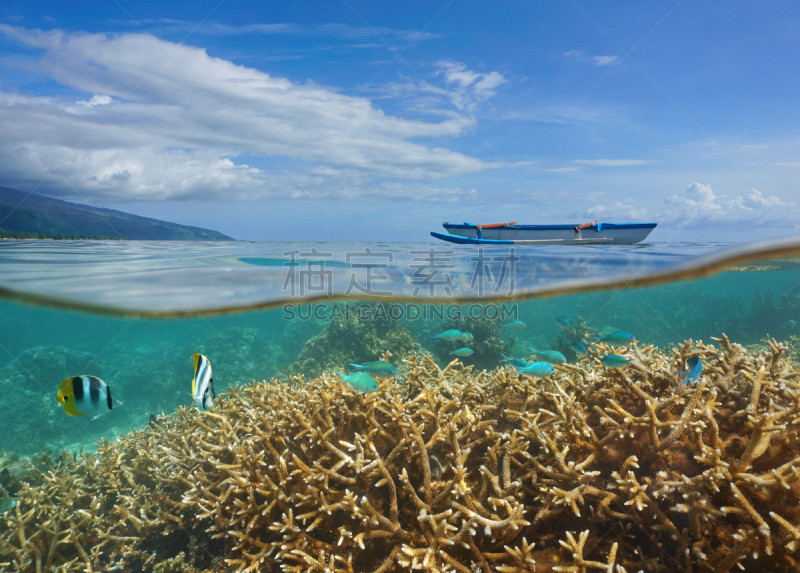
514, 325
462, 352
7, 504
618, 338
361, 381
379, 368
450, 335
537, 369
551, 356
465, 336
614, 361
563, 322
515, 362
695, 367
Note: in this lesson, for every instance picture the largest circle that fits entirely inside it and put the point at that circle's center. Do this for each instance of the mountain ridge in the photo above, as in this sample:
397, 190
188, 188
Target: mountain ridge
22, 212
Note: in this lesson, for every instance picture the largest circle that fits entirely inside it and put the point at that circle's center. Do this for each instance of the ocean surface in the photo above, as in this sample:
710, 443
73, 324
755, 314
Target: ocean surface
134, 313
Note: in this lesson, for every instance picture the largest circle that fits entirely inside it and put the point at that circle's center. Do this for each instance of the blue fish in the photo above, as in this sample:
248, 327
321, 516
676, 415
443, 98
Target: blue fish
514, 325
450, 335
695, 367
537, 369
7, 504
563, 322
614, 361
618, 338
516, 362
551, 356
462, 352
361, 381
379, 368
579, 347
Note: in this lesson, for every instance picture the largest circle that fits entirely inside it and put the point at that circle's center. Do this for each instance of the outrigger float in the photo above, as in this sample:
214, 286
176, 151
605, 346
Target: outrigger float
595, 232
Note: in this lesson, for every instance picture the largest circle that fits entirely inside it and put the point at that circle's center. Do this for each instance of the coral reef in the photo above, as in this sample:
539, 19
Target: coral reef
455, 471
578, 331
353, 336
487, 343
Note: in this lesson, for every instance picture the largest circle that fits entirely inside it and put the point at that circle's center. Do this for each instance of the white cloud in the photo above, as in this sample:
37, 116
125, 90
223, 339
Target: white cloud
598, 61
96, 100
177, 120
467, 88
615, 162
619, 212
700, 205
604, 60
756, 198
334, 30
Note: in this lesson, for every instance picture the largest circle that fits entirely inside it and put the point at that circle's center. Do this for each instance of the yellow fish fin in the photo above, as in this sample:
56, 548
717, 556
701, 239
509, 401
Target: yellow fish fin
196, 359
70, 409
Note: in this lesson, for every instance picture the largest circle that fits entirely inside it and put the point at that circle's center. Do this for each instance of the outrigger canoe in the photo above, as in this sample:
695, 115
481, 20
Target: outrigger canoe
595, 232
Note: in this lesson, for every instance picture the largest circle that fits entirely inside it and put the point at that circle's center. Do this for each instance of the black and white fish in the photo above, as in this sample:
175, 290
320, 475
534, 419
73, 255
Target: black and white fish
202, 383
85, 396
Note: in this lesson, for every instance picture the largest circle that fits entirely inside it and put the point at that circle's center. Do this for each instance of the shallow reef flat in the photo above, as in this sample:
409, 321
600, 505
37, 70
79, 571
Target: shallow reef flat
450, 471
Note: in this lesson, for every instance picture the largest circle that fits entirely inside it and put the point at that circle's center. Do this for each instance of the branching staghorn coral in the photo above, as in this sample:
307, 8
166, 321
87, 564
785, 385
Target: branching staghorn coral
590, 469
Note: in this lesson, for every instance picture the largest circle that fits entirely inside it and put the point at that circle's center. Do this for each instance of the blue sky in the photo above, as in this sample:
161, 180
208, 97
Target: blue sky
370, 121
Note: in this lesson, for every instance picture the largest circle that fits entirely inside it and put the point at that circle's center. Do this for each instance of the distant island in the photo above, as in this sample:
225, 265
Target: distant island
30, 216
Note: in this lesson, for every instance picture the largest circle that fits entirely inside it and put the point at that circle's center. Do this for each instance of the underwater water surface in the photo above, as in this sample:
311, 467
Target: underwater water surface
295, 315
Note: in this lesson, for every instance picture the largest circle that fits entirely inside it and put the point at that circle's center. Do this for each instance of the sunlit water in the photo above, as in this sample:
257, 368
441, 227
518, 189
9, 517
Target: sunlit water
133, 314
292, 292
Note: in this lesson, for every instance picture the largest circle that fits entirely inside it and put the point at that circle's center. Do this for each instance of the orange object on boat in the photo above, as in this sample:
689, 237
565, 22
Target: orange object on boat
586, 225
495, 225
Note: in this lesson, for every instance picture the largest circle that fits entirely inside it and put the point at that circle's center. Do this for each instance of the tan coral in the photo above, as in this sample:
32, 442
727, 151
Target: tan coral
453, 471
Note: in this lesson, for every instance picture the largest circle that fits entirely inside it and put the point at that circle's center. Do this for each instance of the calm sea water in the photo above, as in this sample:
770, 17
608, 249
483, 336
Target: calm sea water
134, 313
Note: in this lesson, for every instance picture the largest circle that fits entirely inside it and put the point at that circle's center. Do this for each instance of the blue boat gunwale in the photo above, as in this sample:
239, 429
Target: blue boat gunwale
461, 240
555, 227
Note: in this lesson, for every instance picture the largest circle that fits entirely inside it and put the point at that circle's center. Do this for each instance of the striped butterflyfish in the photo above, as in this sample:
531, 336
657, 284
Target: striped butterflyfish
84, 396
202, 383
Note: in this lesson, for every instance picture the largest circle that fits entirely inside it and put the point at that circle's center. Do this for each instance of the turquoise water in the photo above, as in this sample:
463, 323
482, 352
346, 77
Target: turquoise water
134, 314
147, 361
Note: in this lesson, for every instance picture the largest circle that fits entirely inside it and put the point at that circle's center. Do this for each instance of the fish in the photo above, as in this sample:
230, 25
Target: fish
563, 322
379, 368
514, 325
466, 336
551, 356
450, 335
462, 352
515, 362
436, 467
695, 367
203, 382
85, 395
537, 369
361, 381
618, 338
7, 504
614, 361
579, 347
